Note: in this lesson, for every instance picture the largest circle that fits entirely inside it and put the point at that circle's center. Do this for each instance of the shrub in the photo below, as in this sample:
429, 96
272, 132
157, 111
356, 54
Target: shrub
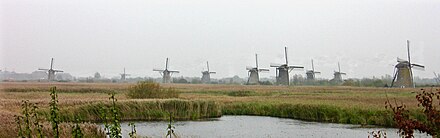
242, 93
407, 124
146, 89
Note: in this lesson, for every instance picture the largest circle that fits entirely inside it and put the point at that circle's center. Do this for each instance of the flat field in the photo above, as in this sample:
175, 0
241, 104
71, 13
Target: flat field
353, 105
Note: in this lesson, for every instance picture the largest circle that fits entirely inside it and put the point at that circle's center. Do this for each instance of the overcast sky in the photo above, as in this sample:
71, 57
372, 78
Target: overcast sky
88, 36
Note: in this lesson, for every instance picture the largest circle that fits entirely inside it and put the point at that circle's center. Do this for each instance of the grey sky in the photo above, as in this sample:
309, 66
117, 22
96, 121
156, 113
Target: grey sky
87, 36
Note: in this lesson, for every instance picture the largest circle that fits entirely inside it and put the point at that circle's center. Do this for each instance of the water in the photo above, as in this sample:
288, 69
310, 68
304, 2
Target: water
256, 127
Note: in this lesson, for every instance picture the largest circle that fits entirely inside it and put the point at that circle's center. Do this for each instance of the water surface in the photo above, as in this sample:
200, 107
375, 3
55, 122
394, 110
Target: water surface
256, 127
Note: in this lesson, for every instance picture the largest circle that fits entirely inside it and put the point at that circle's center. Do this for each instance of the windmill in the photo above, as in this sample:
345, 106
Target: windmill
403, 75
437, 78
51, 72
206, 75
338, 74
253, 74
283, 70
124, 75
311, 73
166, 74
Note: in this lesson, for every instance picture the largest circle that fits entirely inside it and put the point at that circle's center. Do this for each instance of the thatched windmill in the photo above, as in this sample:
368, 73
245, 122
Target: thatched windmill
403, 74
166, 74
51, 72
254, 73
283, 70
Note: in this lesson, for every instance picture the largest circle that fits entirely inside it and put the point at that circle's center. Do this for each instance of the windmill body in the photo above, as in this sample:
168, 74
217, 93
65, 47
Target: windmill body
437, 78
403, 75
51, 72
206, 75
283, 75
254, 73
282, 71
337, 75
311, 73
166, 74
124, 75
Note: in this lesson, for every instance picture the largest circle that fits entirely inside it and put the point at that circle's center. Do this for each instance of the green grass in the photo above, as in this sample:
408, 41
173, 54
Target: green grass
62, 90
318, 113
144, 110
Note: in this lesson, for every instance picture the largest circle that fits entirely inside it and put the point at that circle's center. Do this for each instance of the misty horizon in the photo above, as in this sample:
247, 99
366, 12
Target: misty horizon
85, 37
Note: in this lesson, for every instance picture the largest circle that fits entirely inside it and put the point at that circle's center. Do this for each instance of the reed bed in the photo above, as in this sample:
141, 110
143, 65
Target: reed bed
350, 105
144, 110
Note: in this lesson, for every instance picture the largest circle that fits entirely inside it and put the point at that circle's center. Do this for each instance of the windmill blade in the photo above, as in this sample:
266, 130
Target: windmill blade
285, 53
417, 65
317, 72
261, 70
207, 65
51, 63
158, 70
174, 71
212, 72
58, 70
422, 68
296, 67
249, 68
43, 69
342, 73
275, 65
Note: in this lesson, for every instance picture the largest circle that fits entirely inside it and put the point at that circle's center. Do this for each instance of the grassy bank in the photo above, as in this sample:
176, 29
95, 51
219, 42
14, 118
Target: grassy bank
348, 105
144, 110
319, 113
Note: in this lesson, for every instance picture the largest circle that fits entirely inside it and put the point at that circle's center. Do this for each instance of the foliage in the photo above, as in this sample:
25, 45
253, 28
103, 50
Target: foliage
408, 125
104, 118
76, 129
54, 112
147, 89
28, 121
171, 127
378, 134
132, 134
242, 93
115, 128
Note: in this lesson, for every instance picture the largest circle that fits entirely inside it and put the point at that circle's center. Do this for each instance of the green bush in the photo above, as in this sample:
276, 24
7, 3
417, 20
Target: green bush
146, 89
242, 93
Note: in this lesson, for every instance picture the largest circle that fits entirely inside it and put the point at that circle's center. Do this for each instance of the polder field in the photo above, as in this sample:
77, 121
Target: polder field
337, 104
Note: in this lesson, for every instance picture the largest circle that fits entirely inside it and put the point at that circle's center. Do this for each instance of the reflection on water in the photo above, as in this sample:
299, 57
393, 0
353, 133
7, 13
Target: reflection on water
255, 127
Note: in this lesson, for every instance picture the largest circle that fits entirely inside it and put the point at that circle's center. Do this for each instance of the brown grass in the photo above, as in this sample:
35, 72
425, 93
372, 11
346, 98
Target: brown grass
344, 97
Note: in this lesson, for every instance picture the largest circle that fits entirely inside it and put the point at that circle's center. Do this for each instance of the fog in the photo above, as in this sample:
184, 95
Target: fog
84, 37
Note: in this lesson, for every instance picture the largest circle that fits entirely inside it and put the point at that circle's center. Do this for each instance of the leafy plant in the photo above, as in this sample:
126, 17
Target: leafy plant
76, 129
28, 121
54, 112
115, 128
378, 134
103, 116
132, 134
408, 125
170, 128
148, 89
